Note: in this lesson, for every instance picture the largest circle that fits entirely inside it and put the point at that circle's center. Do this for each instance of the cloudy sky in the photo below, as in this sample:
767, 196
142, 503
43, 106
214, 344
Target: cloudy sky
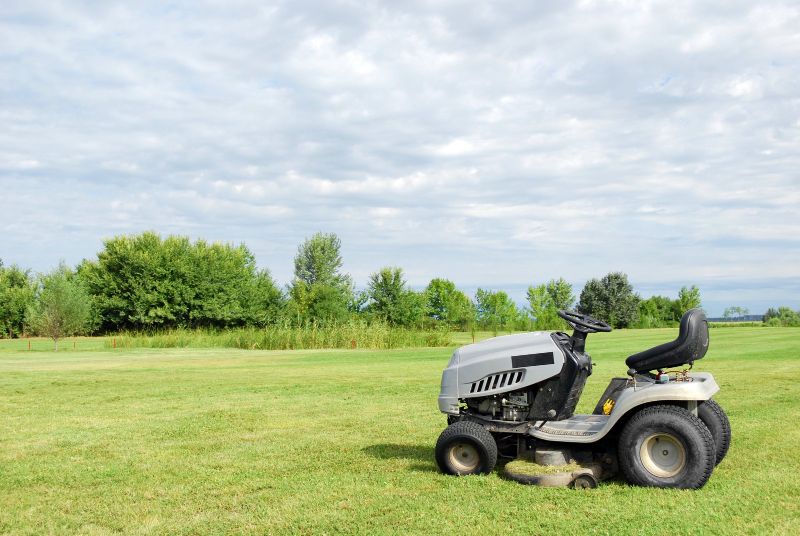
493, 143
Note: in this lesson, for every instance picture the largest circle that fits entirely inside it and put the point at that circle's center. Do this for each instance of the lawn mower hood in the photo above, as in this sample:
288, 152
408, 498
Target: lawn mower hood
498, 365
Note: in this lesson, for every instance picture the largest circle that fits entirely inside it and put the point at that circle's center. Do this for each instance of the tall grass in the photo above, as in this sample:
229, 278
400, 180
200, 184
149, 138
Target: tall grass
352, 334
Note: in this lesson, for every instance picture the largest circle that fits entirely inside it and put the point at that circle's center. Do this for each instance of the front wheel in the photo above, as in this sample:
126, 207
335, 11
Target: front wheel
666, 447
466, 448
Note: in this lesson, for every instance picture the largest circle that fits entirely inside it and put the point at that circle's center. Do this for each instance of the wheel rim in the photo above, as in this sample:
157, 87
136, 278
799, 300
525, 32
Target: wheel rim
463, 457
663, 455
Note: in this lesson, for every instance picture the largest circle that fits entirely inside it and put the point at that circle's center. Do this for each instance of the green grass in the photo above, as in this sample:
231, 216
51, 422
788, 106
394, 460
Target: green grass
42, 344
216, 441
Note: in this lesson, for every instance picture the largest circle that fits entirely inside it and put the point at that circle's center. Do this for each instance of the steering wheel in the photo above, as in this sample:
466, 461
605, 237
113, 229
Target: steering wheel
584, 323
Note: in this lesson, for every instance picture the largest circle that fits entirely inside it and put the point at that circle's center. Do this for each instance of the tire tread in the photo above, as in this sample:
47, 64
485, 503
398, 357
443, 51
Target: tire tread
666, 413
724, 431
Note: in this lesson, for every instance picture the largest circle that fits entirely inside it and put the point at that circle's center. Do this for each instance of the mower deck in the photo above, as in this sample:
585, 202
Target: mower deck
555, 468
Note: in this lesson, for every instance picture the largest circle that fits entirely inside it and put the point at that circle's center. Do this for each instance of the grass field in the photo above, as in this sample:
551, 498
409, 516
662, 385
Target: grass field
310, 442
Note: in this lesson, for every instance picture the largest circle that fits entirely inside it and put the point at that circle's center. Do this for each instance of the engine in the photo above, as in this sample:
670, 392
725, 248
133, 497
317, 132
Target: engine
514, 406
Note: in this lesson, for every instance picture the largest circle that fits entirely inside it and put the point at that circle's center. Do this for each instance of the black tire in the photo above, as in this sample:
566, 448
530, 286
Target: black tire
666, 447
466, 448
713, 416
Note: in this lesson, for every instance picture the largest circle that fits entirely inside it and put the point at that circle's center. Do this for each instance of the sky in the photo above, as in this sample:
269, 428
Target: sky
497, 144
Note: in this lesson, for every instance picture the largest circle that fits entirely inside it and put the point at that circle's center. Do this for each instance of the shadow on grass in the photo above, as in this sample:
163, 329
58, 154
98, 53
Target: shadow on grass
422, 454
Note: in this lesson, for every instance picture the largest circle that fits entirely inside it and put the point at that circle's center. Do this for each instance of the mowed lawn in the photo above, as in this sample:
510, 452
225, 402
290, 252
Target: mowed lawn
313, 442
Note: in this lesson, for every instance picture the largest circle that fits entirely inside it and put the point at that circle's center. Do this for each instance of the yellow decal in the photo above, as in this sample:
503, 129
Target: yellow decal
608, 406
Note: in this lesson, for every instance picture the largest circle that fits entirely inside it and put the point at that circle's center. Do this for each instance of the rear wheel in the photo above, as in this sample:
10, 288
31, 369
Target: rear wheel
713, 416
466, 448
666, 447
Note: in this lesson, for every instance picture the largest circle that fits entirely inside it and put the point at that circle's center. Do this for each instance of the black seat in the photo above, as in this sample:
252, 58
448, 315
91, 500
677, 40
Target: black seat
691, 345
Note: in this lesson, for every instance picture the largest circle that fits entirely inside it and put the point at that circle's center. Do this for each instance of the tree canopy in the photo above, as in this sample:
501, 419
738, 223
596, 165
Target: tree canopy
320, 292
610, 299
495, 309
391, 301
62, 305
319, 262
146, 282
546, 300
17, 294
446, 303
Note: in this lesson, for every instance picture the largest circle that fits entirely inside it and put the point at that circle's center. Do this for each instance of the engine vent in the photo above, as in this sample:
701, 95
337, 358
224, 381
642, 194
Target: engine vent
497, 381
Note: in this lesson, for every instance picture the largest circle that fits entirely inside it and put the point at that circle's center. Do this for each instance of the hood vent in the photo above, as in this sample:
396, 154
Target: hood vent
500, 380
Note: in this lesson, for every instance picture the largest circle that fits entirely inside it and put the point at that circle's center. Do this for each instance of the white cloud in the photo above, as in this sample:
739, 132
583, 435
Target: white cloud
490, 143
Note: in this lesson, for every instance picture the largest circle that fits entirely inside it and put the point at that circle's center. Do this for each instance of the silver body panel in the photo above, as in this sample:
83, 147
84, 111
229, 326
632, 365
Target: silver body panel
591, 428
490, 362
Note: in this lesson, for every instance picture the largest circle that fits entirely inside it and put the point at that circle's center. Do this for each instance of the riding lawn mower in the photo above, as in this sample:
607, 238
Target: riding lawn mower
514, 397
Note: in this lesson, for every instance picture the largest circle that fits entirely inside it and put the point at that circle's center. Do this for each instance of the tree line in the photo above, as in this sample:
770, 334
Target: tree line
145, 282
782, 316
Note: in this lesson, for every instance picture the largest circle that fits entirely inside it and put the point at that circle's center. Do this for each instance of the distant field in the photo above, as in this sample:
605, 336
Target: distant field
145, 441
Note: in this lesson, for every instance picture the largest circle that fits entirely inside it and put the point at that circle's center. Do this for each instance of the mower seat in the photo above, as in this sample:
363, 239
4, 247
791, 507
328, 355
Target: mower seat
691, 345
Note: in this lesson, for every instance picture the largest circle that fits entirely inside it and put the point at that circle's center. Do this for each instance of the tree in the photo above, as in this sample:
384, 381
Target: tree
266, 303
542, 308
688, 298
610, 299
391, 301
357, 302
228, 290
446, 303
319, 261
538, 300
146, 282
546, 300
494, 309
560, 293
62, 305
657, 311
770, 314
783, 316
735, 312
318, 303
320, 291
17, 293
